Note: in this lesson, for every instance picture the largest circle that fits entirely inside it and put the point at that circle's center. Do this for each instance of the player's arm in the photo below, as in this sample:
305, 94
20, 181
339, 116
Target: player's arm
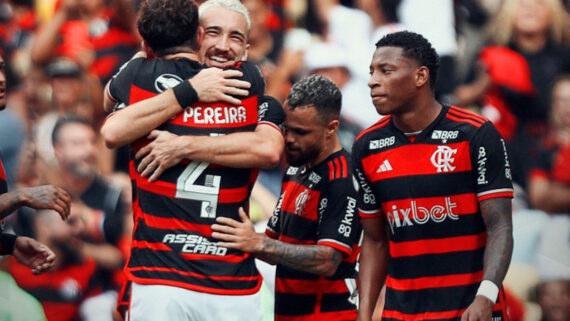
138, 119
373, 265
39, 197
27, 251
317, 259
549, 196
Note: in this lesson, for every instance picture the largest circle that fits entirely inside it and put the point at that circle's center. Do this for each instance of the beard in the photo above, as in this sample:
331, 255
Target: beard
299, 157
82, 170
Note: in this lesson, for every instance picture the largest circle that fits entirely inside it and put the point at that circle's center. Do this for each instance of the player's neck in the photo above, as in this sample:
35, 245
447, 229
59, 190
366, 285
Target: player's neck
187, 55
418, 118
330, 148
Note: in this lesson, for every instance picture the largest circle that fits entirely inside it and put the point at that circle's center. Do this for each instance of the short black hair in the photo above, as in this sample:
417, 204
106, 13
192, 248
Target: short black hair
65, 119
169, 26
319, 92
416, 47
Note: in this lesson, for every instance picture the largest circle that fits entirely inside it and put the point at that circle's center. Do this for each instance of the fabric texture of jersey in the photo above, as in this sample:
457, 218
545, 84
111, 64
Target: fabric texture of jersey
318, 206
172, 242
429, 191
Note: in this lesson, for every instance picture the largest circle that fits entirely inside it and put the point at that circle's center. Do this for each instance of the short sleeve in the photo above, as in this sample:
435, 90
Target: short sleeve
271, 112
491, 170
366, 200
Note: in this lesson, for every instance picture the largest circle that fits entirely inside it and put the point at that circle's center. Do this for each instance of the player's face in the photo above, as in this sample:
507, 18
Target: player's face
76, 149
392, 80
561, 103
225, 37
2, 83
304, 135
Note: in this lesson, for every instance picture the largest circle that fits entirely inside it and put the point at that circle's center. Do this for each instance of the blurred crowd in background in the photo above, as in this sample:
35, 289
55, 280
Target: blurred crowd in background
508, 60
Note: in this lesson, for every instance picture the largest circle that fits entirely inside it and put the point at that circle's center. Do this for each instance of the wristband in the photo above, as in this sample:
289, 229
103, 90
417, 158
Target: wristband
7, 242
185, 94
489, 290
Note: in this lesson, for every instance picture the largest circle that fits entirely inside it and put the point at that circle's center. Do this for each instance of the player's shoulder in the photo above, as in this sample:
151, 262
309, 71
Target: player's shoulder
464, 116
336, 167
378, 128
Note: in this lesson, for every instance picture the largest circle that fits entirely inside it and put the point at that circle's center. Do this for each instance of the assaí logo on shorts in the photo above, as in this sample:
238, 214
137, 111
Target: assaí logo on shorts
413, 213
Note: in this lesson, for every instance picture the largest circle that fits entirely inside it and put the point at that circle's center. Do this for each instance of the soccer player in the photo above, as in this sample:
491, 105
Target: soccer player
174, 260
313, 234
26, 250
434, 199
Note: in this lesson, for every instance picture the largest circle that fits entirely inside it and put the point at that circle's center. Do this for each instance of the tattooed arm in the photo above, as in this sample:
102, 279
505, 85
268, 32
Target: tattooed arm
497, 216
317, 259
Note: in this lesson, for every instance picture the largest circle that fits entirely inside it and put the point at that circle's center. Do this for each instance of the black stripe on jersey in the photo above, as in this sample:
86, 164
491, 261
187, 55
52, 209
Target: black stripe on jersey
336, 302
227, 284
288, 273
149, 258
423, 186
439, 299
436, 264
52, 295
294, 304
301, 235
198, 131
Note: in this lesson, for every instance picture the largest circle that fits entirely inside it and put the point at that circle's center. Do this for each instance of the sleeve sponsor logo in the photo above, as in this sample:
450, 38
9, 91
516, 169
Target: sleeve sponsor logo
482, 166
381, 143
367, 196
443, 159
345, 226
507, 164
262, 109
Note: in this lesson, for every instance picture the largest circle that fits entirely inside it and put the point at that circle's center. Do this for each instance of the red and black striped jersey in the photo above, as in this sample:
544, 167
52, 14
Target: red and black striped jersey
61, 291
3, 188
429, 191
172, 243
318, 206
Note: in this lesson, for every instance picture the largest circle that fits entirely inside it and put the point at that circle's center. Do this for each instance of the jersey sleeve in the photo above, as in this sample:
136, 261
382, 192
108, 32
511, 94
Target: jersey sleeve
7, 242
491, 170
339, 225
273, 229
271, 112
118, 88
366, 200
253, 75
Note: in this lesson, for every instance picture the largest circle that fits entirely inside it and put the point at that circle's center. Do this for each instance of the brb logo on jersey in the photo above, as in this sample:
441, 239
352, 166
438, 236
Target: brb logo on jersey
166, 81
443, 159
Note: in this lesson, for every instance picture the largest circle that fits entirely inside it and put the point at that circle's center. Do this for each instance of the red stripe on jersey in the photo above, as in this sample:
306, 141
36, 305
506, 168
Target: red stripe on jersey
271, 234
369, 214
218, 114
454, 314
148, 245
434, 281
226, 258
300, 200
506, 194
463, 120
437, 208
426, 160
176, 224
322, 316
344, 167
138, 94
226, 195
291, 240
379, 124
437, 246
338, 173
331, 171
2, 171
341, 247
458, 111
291, 286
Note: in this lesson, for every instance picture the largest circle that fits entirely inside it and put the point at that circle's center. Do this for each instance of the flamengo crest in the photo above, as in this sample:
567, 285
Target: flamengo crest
443, 159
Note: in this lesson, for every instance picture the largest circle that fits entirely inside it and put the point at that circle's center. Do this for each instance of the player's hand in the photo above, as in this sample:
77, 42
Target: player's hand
33, 254
47, 197
480, 310
214, 84
163, 152
237, 235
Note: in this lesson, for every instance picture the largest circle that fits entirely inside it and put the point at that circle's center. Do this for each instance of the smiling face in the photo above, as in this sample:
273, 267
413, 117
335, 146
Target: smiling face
224, 41
2, 83
393, 80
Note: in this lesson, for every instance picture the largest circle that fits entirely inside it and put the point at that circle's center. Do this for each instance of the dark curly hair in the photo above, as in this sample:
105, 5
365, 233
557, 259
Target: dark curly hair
416, 47
169, 26
318, 91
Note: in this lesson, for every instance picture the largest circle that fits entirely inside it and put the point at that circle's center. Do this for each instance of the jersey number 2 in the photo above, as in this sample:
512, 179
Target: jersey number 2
207, 193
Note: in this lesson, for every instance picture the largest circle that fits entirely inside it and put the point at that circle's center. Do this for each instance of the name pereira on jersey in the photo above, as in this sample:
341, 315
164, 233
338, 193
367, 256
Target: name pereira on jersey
215, 115
194, 244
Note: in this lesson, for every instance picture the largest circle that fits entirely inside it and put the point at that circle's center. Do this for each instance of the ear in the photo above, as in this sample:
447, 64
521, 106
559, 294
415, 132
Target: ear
422, 76
247, 46
332, 128
146, 48
201, 34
